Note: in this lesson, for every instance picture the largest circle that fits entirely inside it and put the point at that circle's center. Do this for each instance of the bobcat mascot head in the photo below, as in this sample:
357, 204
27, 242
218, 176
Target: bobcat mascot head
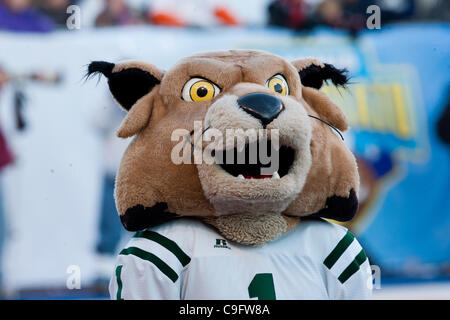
224, 91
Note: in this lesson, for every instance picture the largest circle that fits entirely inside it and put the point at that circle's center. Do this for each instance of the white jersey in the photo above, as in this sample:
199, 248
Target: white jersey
187, 259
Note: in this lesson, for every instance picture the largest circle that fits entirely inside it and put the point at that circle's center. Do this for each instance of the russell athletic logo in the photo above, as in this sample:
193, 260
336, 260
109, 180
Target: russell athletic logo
222, 243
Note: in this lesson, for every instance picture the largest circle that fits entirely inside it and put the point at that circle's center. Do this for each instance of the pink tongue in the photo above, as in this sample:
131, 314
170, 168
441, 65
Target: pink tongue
263, 176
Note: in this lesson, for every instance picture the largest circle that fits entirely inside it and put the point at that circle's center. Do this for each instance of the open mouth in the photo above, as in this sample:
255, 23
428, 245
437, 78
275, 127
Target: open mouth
253, 163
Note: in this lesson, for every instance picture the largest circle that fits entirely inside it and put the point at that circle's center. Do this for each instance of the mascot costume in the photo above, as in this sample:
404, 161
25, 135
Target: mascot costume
235, 229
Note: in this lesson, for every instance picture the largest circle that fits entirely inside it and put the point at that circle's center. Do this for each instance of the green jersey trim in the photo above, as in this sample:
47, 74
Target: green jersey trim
161, 265
166, 243
353, 267
119, 282
340, 248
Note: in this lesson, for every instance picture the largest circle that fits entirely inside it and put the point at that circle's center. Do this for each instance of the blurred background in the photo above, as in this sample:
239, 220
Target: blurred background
59, 231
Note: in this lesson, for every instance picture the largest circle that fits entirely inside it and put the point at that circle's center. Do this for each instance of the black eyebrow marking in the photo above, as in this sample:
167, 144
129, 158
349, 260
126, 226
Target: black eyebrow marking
201, 77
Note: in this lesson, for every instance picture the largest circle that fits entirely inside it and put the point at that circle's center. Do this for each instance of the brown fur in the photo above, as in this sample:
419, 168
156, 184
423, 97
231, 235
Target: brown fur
250, 211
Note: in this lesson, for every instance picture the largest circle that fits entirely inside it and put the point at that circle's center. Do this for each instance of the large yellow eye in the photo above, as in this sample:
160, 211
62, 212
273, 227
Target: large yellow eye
198, 89
278, 84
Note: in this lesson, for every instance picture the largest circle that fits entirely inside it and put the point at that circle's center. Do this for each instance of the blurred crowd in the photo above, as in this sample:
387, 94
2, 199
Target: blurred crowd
352, 15
48, 15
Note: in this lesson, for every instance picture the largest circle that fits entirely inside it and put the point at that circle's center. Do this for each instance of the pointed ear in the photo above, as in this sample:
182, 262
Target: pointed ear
326, 109
137, 118
128, 81
313, 73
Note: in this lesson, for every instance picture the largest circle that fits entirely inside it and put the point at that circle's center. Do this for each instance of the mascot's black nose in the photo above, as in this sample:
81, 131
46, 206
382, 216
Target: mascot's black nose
261, 106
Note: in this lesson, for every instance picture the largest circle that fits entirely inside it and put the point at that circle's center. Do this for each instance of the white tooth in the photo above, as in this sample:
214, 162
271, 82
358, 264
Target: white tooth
276, 175
241, 177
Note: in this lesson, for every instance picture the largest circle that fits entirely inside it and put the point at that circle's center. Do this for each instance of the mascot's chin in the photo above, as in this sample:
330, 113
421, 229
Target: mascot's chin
236, 158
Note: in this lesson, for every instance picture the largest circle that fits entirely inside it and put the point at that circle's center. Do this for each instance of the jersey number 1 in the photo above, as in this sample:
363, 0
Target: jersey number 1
262, 287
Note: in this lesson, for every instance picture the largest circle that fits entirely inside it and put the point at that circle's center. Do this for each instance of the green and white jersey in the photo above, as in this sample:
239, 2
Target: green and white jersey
187, 259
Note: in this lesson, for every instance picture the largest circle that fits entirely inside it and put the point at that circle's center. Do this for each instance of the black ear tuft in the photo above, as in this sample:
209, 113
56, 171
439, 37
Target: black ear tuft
127, 85
102, 67
314, 76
